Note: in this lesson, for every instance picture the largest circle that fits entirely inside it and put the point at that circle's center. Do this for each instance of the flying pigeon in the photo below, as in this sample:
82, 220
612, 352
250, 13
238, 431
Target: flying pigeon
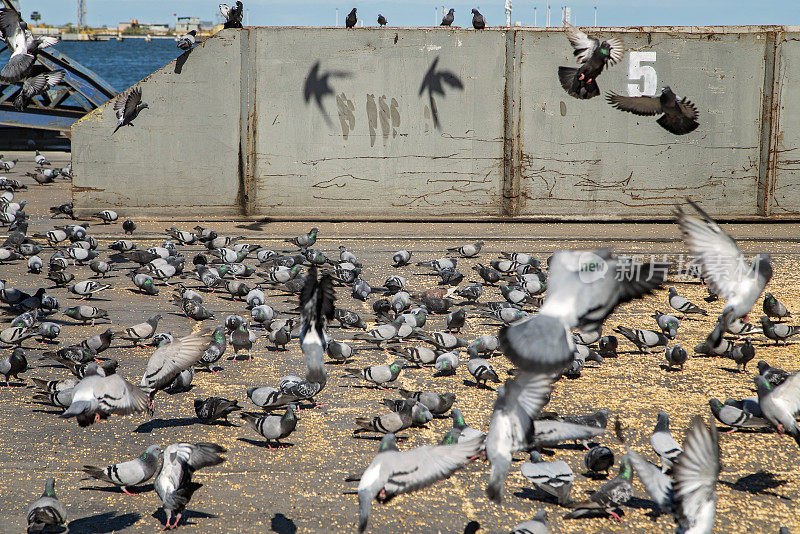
130, 473
593, 56
22, 45
678, 115
96, 397
171, 359
127, 107
724, 268
37, 85
393, 472
780, 404
233, 15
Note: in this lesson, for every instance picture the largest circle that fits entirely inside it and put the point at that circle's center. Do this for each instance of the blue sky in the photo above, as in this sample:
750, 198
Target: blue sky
421, 13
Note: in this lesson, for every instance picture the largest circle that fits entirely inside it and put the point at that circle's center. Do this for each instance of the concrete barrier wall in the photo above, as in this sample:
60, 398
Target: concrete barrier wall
434, 123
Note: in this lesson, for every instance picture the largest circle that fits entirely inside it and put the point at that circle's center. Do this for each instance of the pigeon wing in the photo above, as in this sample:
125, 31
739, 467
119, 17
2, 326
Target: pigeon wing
419, 468
170, 360
617, 50
638, 105
657, 484
695, 478
16, 67
788, 393
117, 395
582, 43
134, 97
9, 24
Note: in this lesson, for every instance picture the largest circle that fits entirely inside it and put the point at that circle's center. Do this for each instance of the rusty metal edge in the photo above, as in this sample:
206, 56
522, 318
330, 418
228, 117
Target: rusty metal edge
766, 167
510, 142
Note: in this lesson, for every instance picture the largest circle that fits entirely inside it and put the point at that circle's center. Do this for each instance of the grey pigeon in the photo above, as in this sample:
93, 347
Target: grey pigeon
129, 226
724, 268
742, 354
187, 41
213, 408
416, 355
456, 319
21, 43
96, 397
448, 19
610, 496
446, 363
127, 107
181, 383
550, 433
676, 356
280, 335
142, 331
14, 364
130, 473
667, 323
511, 428
778, 332
478, 22
46, 512
174, 484
486, 344
242, 339
471, 292
273, 427
774, 308
401, 258
589, 282
684, 305
774, 375
736, 417
678, 115
437, 403
594, 56
393, 472
378, 374
395, 421
554, 478
215, 350
482, 371
643, 339
537, 525
339, 350
468, 251
664, 444
304, 241
780, 404
488, 274
35, 85
169, 360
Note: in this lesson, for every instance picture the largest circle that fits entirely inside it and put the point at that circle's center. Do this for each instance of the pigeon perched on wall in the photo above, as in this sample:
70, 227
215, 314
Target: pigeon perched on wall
186, 42
233, 15
382, 20
127, 107
478, 22
449, 18
351, 19
678, 115
594, 56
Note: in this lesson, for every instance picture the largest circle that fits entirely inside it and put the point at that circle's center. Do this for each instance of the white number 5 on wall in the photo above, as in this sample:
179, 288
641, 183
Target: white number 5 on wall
642, 78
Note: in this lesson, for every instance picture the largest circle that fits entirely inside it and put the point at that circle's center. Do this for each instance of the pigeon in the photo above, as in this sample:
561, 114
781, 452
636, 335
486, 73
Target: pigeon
129, 226
171, 359
667, 323
401, 258
85, 313
486, 344
684, 305
351, 19
435, 402
142, 331
46, 512
482, 371
378, 374
663, 443
382, 20
778, 332
107, 216
446, 363
174, 484
488, 274
597, 459
456, 319
554, 478
14, 364
22, 45
233, 15
215, 349
416, 355
471, 292
736, 417
537, 525
127, 107
87, 288
339, 350
611, 495
779, 404
130, 473
643, 339
678, 115
774, 308
36, 85
478, 22
742, 354
690, 493
187, 41
282, 335
550, 433
393, 472
407, 415
724, 268
181, 383
273, 427
773, 375
213, 408
448, 19
99, 342
593, 56
676, 356
468, 251
590, 283
96, 397
739, 328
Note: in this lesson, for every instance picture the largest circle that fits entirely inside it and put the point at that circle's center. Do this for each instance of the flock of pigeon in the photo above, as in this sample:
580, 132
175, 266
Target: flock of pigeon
551, 317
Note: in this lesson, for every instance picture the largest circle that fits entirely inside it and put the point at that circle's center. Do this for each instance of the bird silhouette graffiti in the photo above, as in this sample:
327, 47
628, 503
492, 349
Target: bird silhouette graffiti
434, 83
318, 86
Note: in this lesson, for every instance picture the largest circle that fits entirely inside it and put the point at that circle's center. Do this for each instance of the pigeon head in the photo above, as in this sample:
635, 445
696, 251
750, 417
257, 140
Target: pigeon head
353, 12
715, 405
762, 367
672, 291
458, 419
764, 387
153, 451
536, 457
451, 438
663, 422
388, 443
475, 12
